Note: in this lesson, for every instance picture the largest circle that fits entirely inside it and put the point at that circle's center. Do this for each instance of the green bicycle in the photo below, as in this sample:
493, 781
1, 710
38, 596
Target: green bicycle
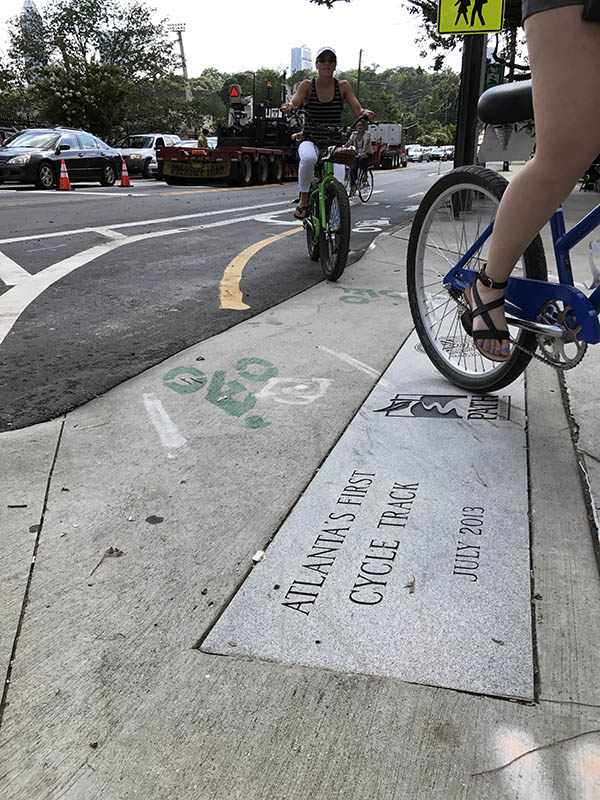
328, 221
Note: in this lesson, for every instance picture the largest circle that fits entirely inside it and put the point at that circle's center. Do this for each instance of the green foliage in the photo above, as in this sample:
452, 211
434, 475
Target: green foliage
425, 103
81, 62
90, 98
437, 46
507, 49
160, 105
301, 75
77, 33
14, 95
104, 66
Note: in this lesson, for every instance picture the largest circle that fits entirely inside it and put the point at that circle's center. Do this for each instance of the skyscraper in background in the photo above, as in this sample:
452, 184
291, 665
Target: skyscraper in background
301, 58
30, 18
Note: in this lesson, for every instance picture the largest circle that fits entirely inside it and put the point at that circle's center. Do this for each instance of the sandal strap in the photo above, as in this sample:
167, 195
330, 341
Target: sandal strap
481, 310
491, 334
487, 281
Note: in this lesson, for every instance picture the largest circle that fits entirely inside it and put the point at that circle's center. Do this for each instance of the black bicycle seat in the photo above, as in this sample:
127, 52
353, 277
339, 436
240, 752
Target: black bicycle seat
505, 104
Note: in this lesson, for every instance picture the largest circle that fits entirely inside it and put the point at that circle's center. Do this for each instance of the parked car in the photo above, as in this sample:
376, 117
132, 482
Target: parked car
416, 152
436, 154
448, 150
139, 151
34, 156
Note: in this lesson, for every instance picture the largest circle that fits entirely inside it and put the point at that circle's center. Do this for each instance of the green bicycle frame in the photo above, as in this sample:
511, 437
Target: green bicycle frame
318, 224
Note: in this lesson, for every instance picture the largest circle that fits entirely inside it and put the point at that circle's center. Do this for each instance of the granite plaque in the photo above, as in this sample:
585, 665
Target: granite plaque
408, 554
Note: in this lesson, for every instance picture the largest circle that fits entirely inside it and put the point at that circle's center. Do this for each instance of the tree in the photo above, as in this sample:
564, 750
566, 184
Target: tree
76, 33
508, 45
92, 100
14, 95
83, 59
507, 42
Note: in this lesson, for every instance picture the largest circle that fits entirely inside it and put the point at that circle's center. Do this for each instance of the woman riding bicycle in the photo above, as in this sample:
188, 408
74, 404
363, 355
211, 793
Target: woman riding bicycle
564, 53
323, 98
360, 139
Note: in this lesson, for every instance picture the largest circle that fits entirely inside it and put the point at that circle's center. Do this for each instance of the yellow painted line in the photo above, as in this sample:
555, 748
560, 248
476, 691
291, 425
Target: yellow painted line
416, 195
230, 295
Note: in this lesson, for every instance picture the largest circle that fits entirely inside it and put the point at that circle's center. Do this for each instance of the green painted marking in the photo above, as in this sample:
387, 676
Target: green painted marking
187, 380
191, 380
243, 364
256, 422
220, 394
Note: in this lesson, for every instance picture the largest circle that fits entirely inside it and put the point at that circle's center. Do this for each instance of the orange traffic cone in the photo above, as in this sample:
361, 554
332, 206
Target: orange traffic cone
64, 183
125, 175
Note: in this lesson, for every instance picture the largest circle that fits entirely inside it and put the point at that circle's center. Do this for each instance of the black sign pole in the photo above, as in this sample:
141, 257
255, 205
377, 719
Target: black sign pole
471, 76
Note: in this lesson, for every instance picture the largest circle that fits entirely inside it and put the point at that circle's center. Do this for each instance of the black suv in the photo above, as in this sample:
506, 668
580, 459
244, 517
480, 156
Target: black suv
34, 156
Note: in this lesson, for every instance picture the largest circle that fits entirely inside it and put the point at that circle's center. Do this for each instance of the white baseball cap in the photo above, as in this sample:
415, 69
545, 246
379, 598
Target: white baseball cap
325, 50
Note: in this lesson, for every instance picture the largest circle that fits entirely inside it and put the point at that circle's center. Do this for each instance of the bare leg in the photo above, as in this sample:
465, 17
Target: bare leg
564, 52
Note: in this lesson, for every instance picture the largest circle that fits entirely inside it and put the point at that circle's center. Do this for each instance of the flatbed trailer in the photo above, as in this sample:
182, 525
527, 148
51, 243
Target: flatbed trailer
237, 165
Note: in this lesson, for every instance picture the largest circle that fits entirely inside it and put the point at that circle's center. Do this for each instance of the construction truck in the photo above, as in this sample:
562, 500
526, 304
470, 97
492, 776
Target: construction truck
389, 150
255, 147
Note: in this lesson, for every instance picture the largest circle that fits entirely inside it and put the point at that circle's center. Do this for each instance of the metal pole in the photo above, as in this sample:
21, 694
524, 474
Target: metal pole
187, 89
473, 62
358, 80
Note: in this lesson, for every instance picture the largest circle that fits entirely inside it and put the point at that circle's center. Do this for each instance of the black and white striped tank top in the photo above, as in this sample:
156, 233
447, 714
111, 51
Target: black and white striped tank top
320, 113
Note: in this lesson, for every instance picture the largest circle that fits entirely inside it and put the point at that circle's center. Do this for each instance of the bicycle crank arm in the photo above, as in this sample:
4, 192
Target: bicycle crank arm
554, 331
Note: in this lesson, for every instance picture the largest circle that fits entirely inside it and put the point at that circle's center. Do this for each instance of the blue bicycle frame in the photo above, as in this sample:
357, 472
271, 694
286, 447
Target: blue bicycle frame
524, 296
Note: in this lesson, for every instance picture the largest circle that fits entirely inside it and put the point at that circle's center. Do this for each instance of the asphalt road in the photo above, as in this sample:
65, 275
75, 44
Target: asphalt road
125, 278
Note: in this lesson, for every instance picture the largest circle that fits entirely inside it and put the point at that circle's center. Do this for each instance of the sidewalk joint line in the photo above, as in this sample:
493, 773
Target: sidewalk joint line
584, 482
568, 703
36, 545
532, 591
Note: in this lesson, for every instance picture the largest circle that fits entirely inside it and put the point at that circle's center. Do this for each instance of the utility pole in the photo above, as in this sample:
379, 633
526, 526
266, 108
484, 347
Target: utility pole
179, 28
358, 80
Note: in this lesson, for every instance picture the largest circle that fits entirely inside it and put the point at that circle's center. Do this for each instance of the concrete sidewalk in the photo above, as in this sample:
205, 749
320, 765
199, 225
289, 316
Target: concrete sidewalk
128, 527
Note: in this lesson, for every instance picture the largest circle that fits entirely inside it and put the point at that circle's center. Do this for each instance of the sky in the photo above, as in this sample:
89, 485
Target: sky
236, 35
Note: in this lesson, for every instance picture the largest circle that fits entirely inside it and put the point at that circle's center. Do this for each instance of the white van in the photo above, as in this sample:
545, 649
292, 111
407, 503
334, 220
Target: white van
139, 151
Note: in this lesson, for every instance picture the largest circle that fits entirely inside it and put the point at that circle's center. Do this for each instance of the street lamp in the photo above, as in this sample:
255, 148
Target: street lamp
179, 28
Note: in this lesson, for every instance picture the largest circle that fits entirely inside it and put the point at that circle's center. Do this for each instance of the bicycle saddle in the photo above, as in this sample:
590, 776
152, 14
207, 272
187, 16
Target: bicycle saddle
505, 104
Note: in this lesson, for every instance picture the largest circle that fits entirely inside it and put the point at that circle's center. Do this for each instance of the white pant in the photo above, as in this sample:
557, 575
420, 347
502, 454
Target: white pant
308, 154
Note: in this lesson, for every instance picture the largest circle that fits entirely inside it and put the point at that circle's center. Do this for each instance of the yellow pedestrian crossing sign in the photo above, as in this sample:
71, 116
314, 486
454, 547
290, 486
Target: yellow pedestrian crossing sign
470, 16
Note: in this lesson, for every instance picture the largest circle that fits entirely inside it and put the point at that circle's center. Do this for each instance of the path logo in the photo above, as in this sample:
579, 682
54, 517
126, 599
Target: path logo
448, 406
455, 347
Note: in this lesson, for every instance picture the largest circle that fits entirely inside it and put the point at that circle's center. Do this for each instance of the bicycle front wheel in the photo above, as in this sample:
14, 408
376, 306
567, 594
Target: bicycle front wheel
366, 185
452, 216
334, 240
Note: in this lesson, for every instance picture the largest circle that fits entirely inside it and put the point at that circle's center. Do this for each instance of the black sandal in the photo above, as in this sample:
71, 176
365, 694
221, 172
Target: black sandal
300, 212
482, 309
